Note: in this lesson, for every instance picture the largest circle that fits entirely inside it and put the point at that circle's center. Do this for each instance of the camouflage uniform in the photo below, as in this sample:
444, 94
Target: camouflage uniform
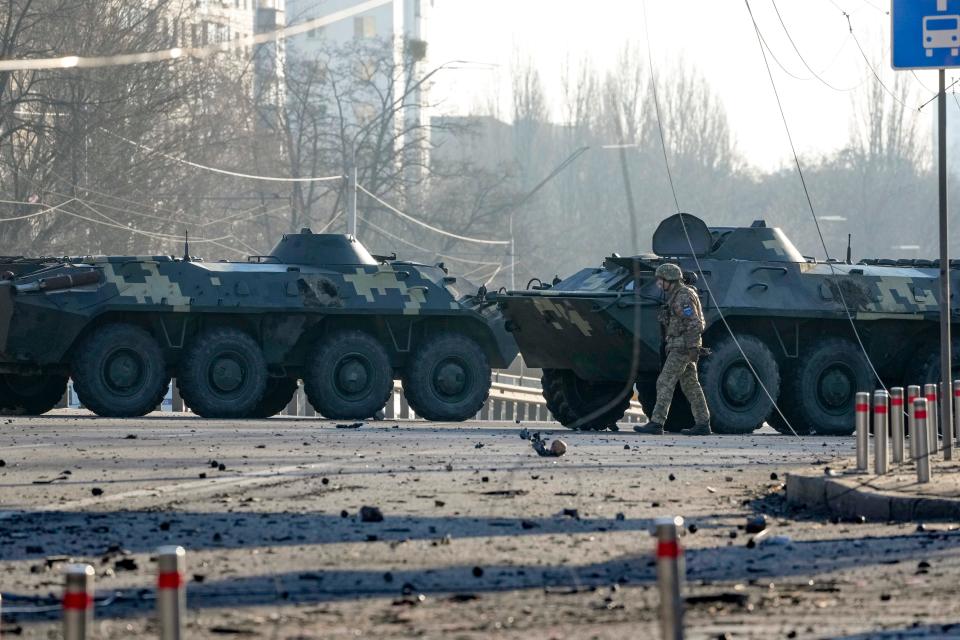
683, 318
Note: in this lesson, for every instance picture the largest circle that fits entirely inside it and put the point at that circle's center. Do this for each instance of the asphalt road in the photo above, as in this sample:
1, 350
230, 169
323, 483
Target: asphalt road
481, 538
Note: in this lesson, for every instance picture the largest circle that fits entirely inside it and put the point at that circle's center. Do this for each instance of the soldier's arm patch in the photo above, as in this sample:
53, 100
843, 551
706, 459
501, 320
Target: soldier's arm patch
688, 311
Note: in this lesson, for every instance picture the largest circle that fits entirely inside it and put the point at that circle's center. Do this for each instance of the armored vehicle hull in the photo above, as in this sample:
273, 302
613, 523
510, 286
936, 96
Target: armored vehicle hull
238, 336
783, 329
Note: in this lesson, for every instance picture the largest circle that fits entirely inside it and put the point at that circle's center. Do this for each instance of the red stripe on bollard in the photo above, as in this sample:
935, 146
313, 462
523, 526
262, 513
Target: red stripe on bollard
897, 402
863, 408
931, 397
919, 414
172, 580
668, 549
77, 601
879, 409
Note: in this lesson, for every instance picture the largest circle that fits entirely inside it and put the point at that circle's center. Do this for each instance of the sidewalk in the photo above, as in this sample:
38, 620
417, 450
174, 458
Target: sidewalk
894, 497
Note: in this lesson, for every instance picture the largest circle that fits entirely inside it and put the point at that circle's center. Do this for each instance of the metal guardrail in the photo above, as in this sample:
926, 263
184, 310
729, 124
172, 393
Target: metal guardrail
511, 398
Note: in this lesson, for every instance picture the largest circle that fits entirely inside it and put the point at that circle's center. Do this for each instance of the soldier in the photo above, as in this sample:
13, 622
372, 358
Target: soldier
682, 317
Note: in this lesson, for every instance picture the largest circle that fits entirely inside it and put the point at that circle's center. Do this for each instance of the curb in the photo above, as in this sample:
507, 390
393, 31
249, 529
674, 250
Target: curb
852, 499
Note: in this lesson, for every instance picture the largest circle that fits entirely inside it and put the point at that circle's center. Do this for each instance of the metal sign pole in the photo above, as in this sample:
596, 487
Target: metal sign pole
946, 374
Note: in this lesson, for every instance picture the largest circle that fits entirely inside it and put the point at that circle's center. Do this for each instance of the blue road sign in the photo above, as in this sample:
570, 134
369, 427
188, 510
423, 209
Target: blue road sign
926, 34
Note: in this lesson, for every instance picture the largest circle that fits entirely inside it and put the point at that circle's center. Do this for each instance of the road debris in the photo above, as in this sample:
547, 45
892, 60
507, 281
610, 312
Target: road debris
371, 514
756, 523
556, 449
352, 425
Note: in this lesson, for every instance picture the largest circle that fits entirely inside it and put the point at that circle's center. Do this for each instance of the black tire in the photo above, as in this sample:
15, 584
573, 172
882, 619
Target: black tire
680, 416
571, 399
348, 376
787, 404
828, 377
925, 367
448, 378
737, 401
119, 372
32, 395
276, 397
223, 374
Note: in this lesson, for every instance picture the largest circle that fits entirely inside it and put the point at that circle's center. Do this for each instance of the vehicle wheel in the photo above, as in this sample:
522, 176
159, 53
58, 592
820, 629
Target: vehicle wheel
223, 374
572, 400
276, 397
448, 379
737, 401
680, 416
788, 406
824, 389
119, 372
925, 368
348, 376
32, 395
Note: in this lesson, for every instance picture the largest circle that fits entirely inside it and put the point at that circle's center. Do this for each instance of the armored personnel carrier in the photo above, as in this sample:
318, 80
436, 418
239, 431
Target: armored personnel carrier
238, 336
781, 327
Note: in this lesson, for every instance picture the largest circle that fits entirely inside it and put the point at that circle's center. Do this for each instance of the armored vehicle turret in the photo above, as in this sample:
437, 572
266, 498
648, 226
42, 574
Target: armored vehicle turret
783, 328
237, 336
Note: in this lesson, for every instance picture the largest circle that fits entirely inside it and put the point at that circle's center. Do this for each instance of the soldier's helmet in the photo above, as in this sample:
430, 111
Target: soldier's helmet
669, 271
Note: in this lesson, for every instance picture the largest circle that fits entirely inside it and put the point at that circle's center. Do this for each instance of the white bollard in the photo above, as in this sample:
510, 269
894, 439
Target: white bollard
171, 591
880, 409
862, 417
896, 424
77, 601
920, 411
933, 431
913, 392
670, 576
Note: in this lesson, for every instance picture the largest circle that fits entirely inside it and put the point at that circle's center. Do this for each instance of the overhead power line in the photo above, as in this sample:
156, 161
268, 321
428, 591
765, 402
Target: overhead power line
226, 172
816, 75
33, 215
177, 53
429, 227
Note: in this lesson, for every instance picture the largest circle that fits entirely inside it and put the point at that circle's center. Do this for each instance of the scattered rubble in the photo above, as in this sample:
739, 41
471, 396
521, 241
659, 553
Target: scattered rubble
352, 425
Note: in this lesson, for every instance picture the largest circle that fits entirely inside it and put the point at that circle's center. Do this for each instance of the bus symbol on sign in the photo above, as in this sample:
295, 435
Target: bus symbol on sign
925, 34
941, 32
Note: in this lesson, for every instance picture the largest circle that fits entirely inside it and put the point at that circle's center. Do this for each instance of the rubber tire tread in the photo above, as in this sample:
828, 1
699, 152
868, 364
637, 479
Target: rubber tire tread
727, 421
417, 384
558, 385
276, 397
788, 406
89, 391
320, 395
38, 404
680, 416
808, 411
192, 382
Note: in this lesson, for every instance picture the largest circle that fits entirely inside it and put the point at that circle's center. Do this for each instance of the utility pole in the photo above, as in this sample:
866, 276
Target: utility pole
929, 41
946, 368
352, 199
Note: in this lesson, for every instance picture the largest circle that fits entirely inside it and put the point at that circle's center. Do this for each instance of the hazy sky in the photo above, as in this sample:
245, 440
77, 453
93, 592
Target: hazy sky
714, 36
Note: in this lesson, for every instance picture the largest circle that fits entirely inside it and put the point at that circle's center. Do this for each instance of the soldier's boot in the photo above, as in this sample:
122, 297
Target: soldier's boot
697, 430
650, 429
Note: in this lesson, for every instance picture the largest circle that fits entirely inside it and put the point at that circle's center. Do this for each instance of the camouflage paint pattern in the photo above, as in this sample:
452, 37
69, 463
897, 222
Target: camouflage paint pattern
756, 277
282, 299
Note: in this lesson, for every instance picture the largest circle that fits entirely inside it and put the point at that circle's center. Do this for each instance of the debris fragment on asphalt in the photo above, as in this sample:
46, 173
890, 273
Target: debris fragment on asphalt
371, 514
352, 425
556, 449
756, 523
